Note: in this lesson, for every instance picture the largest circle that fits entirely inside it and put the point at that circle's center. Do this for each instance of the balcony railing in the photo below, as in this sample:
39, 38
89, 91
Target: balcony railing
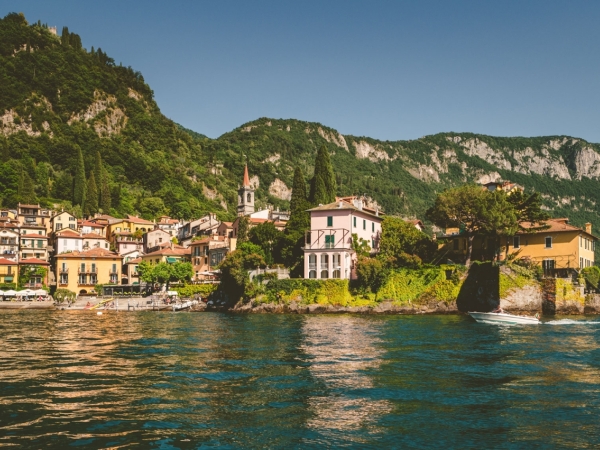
333, 238
87, 269
63, 270
32, 285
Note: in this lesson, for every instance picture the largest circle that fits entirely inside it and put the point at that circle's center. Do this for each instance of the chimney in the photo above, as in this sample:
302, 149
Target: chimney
340, 204
588, 228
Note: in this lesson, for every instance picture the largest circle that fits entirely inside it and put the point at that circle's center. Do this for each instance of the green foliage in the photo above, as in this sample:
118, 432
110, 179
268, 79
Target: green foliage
404, 245
407, 285
243, 228
267, 237
64, 295
371, 273
91, 204
333, 292
190, 290
234, 269
592, 277
27, 271
323, 185
360, 246
79, 184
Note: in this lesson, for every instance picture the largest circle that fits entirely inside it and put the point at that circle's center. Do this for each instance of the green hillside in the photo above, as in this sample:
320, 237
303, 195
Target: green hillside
57, 99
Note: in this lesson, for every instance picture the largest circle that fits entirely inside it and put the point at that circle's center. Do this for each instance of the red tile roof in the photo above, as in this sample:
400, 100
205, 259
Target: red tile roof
6, 262
555, 226
37, 236
95, 252
34, 261
134, 261
67, 233
93, 236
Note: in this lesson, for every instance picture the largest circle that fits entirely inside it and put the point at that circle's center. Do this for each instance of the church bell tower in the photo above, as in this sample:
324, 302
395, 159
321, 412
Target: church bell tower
245, 196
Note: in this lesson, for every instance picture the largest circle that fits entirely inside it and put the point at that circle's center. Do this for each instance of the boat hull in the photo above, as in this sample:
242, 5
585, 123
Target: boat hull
503, 319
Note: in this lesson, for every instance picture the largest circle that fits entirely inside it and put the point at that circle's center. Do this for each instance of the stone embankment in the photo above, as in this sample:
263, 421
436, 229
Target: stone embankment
386, 307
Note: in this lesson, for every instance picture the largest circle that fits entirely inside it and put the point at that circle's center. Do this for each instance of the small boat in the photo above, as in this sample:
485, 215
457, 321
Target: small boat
184, 305
502, 318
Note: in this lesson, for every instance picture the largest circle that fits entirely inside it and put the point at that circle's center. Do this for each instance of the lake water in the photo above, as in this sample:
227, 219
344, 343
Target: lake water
190, 380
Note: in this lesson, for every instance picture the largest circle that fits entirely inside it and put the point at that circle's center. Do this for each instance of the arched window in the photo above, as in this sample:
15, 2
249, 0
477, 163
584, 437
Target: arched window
249, 198
324, 261
312, 274
336, 273
324, 274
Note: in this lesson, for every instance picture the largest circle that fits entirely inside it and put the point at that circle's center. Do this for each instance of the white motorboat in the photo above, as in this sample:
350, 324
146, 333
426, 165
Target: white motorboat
184, 305
501, 318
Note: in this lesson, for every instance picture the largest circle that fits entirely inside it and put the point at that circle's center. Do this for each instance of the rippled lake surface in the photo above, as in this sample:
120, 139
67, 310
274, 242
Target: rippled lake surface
191, 380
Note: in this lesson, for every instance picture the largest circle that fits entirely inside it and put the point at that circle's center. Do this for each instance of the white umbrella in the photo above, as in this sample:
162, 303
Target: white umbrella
10, 293
1, 292
41, 292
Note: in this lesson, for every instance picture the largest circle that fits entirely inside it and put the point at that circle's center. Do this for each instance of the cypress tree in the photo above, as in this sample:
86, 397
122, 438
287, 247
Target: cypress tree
42, 177
27, 194
105, 195
91, 204
79, 183
299, 218
323, 186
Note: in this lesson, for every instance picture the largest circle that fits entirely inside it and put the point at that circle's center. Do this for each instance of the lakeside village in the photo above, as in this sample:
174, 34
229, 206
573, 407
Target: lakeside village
341, 255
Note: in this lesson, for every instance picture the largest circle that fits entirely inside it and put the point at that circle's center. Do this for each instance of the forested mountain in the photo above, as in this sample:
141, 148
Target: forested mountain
59, 100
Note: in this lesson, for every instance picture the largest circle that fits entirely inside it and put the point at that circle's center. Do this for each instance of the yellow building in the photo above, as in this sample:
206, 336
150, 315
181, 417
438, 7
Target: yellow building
8, 272
172, 253
80, 271
129, 225
558, 248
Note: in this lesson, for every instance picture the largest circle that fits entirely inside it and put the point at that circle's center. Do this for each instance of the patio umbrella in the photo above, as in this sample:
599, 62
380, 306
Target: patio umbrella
1, 292
10, 293
41, 292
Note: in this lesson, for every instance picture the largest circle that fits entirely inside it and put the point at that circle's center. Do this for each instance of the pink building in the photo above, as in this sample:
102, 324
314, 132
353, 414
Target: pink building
328, 245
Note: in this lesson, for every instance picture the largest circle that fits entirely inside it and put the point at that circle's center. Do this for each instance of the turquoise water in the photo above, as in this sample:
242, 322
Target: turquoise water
191, 380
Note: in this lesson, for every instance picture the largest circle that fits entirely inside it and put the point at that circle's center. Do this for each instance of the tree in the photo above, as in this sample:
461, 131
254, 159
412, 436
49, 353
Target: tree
105, 194
63, 186
91, 204
151, 207
234, 269
242, 233
299, 217
42, 177
27, 193
146, 271
181, 271
473, 210
401, 242
79, 183
528, 209
323, 186
266, 236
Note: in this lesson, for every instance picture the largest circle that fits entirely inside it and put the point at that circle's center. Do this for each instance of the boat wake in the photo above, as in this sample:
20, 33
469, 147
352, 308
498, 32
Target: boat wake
572, 322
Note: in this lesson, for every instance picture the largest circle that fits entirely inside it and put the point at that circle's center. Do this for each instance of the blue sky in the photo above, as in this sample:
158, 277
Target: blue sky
384, 69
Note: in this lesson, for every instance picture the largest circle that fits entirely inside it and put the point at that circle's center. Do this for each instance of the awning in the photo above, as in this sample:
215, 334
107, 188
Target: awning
171, 260
8, 279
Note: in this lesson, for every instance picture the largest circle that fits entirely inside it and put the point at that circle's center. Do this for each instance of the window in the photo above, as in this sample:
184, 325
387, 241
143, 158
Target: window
324, 261
364, 224
456, 244
249, 198
373, 227
82, 267
354, 222
312, 274
324, 274
580, 262
40, 243
517, 242
549, 242
329, 221
312, 261
330, 241
93, 268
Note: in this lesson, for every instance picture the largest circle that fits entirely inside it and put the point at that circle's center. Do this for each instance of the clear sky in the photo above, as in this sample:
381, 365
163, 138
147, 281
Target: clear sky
384, 69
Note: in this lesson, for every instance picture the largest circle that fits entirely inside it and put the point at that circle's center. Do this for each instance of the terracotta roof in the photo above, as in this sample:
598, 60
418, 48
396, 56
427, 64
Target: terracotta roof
34, 261
246, 177
6, 262
171, 252
37, 236
134, 261
93, 236
67, 233
227, 224
28, 206
88, 223
134, 219
95, 252
555, 226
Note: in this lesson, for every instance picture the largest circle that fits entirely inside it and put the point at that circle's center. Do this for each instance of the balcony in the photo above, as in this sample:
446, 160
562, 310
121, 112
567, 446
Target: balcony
328, 238
87, 269
63, 270
32, 285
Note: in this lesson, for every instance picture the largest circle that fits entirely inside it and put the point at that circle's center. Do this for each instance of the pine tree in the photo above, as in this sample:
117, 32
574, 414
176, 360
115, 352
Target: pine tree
323, 186
105, 195
79, 182
91, 204
98, 168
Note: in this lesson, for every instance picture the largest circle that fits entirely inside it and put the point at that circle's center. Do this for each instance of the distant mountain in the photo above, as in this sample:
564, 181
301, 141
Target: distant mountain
57, 97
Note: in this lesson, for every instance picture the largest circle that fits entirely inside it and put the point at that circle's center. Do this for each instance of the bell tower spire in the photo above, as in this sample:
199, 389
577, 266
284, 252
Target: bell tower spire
245, 196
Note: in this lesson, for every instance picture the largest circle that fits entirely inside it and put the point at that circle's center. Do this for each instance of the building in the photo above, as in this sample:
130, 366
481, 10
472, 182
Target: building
131, 224
207, 253
245, 196
33, 215
153, 240
67, 240
9, 243
80, 271
169, 225
34, 246
9, 274
173, 253
93, 240
328, 245
88, 227
34, 273
129, 271
63, 220
205, 225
